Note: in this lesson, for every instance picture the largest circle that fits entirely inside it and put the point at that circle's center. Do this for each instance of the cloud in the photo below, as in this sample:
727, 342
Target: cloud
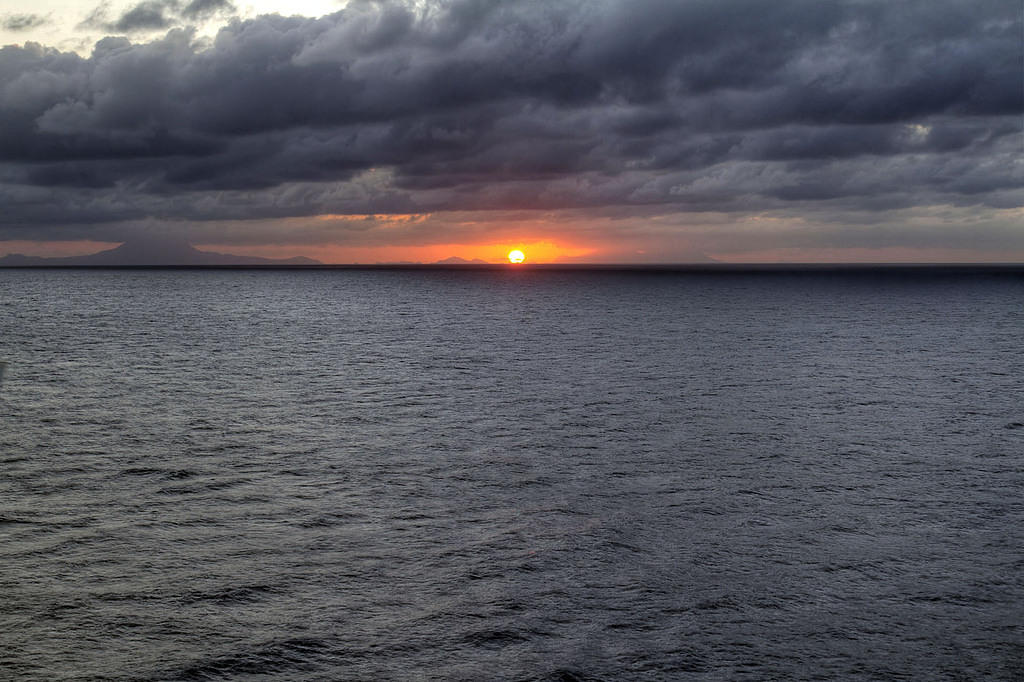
651, 106
22, 22
201, 9
146, 16
156, 15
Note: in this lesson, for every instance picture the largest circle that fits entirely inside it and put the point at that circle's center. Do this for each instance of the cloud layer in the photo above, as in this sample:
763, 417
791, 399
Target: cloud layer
649, 106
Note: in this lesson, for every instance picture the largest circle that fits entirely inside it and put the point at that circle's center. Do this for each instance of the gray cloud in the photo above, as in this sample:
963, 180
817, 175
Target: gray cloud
149, 15
387, 107
155, 15
22, 22
199, 9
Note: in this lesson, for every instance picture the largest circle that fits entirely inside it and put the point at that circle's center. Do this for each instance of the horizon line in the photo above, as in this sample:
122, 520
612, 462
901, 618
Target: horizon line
666, 266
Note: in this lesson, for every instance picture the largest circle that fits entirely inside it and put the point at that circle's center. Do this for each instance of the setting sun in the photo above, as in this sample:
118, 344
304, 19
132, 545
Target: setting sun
516, 256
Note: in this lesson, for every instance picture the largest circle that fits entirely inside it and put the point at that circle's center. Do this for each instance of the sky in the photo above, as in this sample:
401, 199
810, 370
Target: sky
575, 130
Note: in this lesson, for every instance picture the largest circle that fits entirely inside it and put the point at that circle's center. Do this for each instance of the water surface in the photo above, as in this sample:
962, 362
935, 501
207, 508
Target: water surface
510, 475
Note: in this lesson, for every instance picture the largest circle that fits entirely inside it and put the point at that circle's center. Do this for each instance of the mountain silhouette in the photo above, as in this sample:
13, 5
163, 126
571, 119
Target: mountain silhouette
152, 251
455, 260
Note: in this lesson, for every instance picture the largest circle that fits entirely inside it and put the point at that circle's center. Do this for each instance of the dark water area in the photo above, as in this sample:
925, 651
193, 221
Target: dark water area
511, 475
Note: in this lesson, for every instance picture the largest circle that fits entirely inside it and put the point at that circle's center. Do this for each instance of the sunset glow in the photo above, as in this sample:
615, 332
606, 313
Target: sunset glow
541, 251
516, 256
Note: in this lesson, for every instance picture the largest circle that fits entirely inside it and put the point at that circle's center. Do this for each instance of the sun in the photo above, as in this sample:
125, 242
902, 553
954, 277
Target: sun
516, 256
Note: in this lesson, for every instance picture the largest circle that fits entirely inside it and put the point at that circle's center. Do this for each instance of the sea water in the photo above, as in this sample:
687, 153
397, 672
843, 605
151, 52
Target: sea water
511, 475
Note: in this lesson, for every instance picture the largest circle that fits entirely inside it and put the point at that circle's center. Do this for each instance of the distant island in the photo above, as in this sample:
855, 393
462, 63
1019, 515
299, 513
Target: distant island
158, 252
169, 251
455, 260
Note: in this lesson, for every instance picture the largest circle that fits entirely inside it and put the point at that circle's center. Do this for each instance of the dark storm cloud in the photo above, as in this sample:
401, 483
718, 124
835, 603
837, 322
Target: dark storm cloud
22, 22
389, 107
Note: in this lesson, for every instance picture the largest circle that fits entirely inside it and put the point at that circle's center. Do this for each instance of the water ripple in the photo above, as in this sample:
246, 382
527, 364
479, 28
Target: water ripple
233, 475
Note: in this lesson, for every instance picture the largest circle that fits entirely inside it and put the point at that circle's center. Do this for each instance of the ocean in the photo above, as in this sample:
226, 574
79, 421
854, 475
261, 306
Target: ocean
512, 474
